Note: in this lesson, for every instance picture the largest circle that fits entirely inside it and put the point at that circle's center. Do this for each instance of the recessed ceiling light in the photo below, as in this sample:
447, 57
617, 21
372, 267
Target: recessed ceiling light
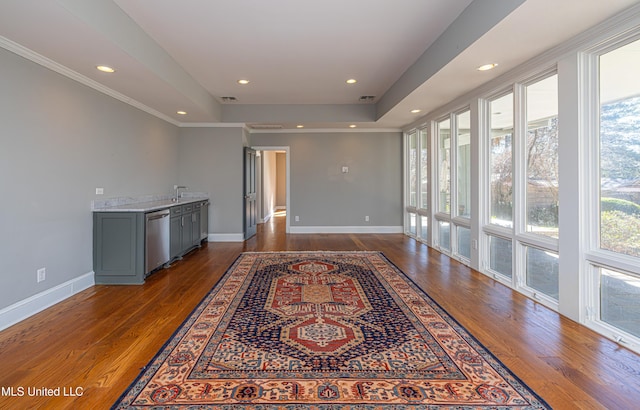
243, 82
352, 81
352, 126
487, 67
105, 69
299, 126
182, 112
416, 111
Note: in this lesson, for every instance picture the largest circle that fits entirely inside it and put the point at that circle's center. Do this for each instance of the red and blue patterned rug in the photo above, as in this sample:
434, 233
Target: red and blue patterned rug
323, 330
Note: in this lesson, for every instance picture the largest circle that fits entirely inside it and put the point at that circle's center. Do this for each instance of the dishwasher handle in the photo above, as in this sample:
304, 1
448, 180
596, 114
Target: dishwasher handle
157, 215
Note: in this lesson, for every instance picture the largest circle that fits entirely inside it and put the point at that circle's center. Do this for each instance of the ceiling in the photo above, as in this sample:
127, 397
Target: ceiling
188, 55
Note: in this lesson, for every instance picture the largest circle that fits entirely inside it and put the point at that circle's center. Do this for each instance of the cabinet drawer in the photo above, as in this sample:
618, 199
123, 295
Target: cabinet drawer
176, 210
187, 208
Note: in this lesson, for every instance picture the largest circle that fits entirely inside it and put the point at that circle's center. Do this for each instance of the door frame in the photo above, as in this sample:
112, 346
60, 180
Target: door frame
287, 151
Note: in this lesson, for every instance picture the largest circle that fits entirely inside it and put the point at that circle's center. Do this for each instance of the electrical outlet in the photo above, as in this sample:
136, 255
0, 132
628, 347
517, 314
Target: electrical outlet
99, 191
42, 274
297, 218
366, 218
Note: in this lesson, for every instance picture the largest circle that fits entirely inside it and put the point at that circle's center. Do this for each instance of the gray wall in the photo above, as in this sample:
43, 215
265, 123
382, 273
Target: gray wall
59, 141
321, 195
210, 160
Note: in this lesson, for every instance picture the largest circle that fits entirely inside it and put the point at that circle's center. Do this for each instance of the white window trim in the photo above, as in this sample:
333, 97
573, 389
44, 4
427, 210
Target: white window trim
579, 256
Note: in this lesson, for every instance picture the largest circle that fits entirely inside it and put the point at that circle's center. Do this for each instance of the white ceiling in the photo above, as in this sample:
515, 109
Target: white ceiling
185, 55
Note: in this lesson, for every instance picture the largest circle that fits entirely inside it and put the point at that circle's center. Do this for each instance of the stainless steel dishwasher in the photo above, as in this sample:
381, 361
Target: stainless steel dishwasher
156, 240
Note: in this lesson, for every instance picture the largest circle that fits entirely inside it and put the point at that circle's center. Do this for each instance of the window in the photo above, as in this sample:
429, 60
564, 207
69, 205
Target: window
500, 255
444, 173
501, 163
620, 300
424, 228
620, 150
495, 186
412, 183
613, 295
542, 271
463, 163
424, 170
417, 184
444, 239
413, 171
542, 157
464, 242
539, 207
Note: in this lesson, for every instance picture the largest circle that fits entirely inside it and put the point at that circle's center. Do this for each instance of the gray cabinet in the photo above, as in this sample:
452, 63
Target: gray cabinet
175, 232
195, 224
186, 227
204, 220
118, 247
119, 240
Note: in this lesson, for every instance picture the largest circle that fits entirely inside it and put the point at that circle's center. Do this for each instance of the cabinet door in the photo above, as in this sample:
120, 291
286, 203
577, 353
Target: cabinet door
187, 231
195, 224
204, 221
118, 248
175, 234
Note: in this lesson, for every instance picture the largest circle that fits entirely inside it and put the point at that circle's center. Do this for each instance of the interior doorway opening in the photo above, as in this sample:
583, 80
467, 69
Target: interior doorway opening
273, 177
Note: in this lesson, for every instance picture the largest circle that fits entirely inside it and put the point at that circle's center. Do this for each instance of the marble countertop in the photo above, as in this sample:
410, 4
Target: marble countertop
144, 204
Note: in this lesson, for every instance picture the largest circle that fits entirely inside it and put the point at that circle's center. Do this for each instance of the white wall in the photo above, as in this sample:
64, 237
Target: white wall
60, 141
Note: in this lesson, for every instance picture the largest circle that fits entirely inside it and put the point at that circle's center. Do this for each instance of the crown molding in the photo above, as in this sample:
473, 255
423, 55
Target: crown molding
617, 26
39, 59
324, 130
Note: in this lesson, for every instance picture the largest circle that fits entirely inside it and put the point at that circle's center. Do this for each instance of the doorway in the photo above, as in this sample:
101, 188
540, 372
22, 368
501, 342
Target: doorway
274, 183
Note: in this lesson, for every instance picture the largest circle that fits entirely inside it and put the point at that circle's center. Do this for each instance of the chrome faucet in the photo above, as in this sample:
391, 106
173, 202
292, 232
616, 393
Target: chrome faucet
178, 188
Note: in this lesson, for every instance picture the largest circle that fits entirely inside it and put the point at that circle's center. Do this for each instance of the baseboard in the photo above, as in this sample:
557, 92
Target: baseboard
346, 229
25, 308
226, 237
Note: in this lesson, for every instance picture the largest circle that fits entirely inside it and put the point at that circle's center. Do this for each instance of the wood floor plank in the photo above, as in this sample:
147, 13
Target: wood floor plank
99, 340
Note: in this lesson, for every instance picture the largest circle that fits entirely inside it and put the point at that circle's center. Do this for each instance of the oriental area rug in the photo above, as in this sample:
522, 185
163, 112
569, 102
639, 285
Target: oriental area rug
323, 331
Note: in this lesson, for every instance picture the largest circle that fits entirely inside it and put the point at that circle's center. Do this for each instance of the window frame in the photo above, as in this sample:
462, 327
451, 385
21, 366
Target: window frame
520, 238
593, 257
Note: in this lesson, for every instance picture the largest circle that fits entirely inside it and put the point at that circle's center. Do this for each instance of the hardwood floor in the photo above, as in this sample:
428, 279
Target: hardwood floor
94, 344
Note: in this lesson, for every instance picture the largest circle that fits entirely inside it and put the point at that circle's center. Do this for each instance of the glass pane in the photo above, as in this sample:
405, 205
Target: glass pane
620, 300
463, 121
620, 150
425, 227
444, 229
444, 174
542, 271
500, 255
501, 167
412, 223
424, 170
542, 157
413, 174
464, 242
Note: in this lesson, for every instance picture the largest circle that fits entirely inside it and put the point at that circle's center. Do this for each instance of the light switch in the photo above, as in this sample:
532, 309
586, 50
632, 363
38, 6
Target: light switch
345, 170
99, 191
